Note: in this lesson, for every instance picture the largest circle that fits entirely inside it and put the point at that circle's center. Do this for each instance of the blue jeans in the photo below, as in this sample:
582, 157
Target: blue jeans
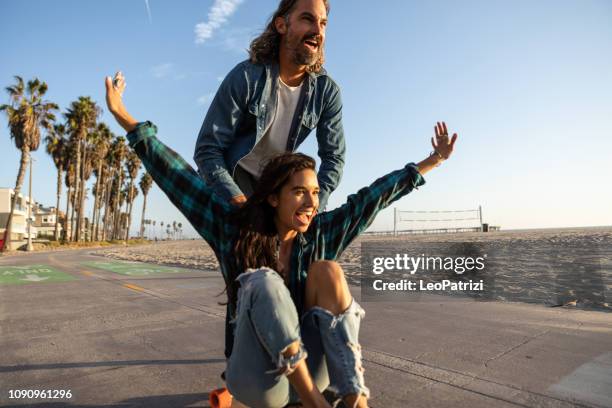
267, 323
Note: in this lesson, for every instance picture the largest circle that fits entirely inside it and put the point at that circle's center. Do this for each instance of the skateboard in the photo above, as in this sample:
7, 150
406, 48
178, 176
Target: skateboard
220, 398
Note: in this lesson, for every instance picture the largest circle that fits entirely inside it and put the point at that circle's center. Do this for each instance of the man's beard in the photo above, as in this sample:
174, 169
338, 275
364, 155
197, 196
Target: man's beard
302, 56
300, 53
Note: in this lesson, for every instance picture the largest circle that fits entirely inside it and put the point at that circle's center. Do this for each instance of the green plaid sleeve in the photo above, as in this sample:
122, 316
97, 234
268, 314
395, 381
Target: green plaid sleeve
339, 227
183, 186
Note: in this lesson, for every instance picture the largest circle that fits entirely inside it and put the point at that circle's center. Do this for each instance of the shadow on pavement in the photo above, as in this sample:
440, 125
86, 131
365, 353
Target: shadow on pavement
17, 368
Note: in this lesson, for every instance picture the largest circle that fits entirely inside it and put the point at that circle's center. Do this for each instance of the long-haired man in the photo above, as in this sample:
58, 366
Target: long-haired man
271, 102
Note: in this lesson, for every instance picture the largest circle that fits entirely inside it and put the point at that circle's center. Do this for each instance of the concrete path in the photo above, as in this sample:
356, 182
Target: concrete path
121, 335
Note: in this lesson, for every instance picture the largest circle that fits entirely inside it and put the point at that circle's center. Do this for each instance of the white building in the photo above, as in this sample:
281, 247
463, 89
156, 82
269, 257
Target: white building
19, 226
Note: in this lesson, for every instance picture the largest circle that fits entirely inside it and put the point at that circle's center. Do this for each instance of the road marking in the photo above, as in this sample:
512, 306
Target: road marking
28, 274
133, 268
34, 278
134, 287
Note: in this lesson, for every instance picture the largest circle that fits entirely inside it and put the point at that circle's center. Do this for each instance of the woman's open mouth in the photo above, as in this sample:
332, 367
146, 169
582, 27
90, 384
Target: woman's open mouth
304, 217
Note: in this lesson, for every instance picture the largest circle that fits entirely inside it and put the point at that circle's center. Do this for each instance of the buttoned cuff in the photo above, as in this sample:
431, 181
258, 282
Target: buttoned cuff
142, 131
415, 175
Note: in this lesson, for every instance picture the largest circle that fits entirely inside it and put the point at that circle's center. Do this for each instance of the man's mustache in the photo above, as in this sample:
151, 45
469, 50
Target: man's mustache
315, 37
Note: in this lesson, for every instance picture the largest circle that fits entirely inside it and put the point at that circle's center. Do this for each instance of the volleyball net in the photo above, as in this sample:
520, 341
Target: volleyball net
437, 221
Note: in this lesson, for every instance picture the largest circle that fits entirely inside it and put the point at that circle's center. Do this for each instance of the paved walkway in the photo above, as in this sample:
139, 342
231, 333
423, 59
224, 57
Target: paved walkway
123, 335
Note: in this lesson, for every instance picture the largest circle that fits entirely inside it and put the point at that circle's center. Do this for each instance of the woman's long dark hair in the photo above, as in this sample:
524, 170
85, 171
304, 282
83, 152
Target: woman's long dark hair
257, 243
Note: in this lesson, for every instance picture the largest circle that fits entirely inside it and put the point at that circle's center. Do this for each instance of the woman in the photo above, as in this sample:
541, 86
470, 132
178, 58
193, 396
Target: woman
287, 297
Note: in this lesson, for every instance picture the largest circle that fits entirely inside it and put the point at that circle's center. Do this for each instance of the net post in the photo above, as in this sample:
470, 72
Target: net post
480, 215
394, 221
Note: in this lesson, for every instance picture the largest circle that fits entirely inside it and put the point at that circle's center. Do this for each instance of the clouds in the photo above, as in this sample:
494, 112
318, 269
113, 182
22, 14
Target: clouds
218, 14
148, 11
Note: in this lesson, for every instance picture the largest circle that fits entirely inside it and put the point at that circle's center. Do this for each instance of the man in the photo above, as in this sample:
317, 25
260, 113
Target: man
271, 102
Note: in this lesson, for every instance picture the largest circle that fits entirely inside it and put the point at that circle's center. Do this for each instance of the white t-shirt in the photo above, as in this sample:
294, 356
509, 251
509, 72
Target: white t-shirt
274, 140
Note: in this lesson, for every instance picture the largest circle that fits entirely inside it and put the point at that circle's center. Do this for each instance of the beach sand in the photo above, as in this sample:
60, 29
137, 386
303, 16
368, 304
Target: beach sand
555, 267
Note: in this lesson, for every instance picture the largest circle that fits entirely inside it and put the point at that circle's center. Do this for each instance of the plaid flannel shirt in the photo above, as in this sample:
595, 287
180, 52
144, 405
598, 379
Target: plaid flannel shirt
328, 235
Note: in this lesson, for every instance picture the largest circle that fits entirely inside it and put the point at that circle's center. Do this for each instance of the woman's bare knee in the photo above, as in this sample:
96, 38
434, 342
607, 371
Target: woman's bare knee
326, 287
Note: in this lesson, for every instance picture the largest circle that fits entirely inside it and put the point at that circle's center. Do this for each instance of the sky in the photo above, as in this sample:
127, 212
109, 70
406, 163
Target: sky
526, 85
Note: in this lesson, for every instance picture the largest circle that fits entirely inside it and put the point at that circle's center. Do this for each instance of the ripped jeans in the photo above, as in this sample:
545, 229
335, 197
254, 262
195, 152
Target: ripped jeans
266, 324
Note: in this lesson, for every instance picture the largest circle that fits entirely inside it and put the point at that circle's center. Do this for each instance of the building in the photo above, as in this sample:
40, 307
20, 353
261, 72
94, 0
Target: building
44, 221
19, 226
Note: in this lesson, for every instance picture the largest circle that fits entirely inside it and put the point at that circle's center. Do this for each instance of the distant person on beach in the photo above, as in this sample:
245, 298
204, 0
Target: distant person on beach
292, 326
269, 104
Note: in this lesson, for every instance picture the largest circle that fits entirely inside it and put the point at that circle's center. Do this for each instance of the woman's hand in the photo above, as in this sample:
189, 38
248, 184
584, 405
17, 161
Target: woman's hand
114, 92
442, 145
443, 148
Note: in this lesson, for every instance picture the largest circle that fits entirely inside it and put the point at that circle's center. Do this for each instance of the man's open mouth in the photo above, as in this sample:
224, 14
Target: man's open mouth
312, 44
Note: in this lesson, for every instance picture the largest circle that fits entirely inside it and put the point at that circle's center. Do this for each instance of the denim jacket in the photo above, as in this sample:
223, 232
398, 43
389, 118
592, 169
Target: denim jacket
243, 109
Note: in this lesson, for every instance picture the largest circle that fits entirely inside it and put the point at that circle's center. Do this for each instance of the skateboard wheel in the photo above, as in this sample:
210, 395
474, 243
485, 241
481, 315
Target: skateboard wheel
220, 398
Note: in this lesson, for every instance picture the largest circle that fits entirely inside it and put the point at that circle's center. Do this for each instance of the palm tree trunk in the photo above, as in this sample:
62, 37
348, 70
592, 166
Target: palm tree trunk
72, 209
117, 214
129, 216
77, 173
25, 158
142, 219
67, 230
96, 200
81, 198
98, 203
59, 193
107, 205
101, 204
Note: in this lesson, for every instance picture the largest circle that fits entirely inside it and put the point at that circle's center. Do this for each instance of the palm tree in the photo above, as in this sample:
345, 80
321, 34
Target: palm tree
56, 148
101, 140
146, 181
81, 117
27, 114
132, 166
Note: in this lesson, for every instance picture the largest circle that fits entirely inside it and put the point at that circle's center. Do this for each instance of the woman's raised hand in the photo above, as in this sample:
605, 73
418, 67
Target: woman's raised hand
442, 144
114, 92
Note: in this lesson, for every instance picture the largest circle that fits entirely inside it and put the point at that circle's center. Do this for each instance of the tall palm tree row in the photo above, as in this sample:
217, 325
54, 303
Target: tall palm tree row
81, 117
79, 147
27, 114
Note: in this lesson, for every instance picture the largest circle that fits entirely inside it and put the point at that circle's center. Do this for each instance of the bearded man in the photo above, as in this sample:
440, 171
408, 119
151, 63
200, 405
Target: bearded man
269, 104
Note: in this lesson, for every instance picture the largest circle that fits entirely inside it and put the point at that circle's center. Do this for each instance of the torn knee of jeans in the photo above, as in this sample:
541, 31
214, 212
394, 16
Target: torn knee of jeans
354, 308
287, 365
